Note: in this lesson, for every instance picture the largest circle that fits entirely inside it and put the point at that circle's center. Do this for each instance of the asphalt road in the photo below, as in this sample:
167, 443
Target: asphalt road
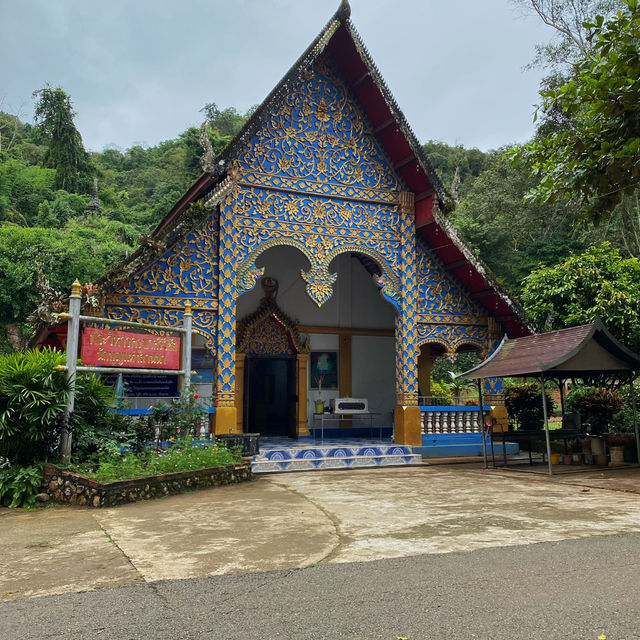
578, 588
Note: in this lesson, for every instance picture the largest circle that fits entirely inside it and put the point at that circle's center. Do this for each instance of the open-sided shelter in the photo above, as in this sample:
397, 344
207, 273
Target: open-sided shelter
587, 351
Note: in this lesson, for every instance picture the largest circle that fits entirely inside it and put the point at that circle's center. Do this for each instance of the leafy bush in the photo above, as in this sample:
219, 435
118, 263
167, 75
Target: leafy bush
32, 399
178, 419
596, 406
524, 404
19, 486
116, 464
440, 393
93, 423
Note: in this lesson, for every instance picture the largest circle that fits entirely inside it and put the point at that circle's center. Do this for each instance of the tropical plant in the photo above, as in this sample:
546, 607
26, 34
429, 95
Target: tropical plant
19, 486
32, 399
596, 159
596, 406
93, 422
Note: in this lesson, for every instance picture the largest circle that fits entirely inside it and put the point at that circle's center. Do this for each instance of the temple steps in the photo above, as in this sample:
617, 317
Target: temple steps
314, 458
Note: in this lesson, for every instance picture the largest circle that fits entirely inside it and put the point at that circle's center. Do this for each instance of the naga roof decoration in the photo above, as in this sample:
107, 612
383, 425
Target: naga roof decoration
341, 42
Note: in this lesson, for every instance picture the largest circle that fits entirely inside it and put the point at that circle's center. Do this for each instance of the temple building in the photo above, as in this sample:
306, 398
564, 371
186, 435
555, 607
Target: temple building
317, 256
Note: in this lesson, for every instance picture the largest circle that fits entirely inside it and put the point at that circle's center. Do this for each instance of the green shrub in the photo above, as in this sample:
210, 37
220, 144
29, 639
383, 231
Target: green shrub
524, 404
440, 393
116, 464
32, 400
622, 421
93, 423
19, 486
178, 419
596, 406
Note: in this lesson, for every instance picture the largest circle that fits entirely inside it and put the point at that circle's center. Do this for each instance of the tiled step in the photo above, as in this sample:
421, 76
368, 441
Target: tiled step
317, 458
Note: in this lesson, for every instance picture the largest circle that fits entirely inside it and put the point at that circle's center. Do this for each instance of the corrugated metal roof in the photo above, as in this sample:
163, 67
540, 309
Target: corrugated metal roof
586, 349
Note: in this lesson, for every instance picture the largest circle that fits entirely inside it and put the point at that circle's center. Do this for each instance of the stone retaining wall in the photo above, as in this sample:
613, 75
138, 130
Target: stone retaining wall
66, 487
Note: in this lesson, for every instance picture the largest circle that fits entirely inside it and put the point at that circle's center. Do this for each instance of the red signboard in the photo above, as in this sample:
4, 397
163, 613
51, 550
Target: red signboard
108, 348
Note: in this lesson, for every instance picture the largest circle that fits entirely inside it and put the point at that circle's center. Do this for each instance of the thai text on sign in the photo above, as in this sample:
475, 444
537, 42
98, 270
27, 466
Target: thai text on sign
110, 348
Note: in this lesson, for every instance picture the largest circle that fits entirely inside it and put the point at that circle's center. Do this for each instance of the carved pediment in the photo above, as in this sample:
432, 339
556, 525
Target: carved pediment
269, 332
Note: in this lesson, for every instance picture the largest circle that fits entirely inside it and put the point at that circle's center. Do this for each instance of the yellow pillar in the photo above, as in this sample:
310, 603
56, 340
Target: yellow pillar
303, 418
408, 428
407, 411
226, 420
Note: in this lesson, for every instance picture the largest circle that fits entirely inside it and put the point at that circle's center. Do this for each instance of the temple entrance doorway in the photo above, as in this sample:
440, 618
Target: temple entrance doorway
270, 396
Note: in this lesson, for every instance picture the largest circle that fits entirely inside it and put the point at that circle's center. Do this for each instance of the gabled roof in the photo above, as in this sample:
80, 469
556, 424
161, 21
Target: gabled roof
587, 350
340, 39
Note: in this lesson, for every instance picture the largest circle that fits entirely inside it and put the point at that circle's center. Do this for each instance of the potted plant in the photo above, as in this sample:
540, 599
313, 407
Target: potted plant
616, 443
576, 452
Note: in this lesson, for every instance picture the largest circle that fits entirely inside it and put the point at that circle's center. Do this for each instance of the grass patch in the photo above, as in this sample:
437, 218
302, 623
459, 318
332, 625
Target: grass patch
127, 465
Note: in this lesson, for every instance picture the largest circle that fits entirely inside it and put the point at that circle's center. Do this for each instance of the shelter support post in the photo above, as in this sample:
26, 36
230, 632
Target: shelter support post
634, 410
482, 425
73, 340
546, 424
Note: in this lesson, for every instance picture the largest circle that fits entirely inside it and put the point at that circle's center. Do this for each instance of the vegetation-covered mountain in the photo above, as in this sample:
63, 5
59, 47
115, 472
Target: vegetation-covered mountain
45, 227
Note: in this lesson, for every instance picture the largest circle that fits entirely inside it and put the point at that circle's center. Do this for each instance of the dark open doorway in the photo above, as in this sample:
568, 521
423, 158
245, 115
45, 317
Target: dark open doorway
270, 396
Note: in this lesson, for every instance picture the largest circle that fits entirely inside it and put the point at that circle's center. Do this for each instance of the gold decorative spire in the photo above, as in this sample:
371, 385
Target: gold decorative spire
187, 308
76, 288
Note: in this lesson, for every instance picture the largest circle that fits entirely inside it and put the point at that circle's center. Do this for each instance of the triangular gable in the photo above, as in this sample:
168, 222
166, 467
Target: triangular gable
320, 142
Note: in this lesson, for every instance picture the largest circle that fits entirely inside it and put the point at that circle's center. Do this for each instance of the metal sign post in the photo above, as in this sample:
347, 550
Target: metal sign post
74, 318
73, 339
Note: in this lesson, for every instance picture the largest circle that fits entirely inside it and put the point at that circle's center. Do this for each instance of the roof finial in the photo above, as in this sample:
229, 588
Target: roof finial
344, 10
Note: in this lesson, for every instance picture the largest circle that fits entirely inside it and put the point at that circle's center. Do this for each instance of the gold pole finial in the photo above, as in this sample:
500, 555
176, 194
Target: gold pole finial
187, 308
76, 288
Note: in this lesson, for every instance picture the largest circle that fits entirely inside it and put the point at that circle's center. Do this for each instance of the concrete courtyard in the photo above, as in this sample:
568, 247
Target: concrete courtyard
302, 519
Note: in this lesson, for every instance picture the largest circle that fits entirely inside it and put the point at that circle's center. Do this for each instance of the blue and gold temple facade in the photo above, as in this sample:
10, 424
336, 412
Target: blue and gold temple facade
313, 176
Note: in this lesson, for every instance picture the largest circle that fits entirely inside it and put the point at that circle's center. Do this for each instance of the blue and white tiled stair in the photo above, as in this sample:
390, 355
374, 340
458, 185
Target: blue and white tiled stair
316, 458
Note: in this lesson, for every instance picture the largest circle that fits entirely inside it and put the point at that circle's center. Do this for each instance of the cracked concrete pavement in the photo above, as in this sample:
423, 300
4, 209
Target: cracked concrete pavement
300, 519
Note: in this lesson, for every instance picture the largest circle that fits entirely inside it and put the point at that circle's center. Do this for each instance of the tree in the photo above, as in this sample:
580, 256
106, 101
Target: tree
511, 237
65, 153
572, 37
595, 159
596, 283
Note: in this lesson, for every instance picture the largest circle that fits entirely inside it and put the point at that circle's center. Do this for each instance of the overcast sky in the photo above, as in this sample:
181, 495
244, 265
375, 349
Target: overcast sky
139, 71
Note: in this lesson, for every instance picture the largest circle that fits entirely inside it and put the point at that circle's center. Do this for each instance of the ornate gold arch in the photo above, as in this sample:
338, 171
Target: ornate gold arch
318, 278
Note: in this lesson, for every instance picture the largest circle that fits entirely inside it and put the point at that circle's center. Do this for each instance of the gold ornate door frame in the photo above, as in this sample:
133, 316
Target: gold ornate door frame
269, 332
